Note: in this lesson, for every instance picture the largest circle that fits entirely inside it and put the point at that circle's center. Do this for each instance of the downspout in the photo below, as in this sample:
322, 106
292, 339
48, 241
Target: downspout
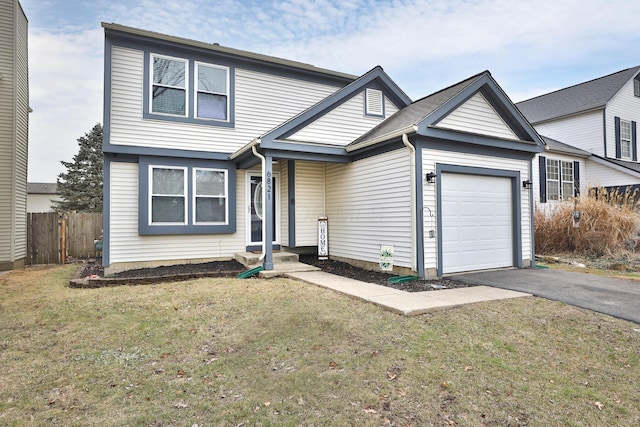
264, 216
412, 167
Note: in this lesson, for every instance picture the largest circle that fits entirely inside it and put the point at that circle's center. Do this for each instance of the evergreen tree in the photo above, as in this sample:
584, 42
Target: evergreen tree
81, 186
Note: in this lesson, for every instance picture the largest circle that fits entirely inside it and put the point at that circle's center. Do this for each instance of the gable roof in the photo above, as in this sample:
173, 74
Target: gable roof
561, 147
423, 114
583, 97
42, 188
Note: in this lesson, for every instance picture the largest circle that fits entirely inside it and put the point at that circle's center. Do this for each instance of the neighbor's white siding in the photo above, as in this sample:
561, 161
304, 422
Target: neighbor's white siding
625, 105
369, 204
126, 245
608, 176
309, 195
262, 101
432, 157
583, 131
343, 124
477, 116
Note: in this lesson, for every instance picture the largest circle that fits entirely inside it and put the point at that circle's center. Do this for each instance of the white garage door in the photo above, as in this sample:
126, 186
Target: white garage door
477, 222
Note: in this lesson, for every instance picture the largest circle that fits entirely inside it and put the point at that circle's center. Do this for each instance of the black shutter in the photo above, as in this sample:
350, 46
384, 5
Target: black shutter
576, 179
634, 146
542, 166
618, 148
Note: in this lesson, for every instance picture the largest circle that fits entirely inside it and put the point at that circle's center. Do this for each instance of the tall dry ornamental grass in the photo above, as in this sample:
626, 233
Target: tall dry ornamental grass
607, 222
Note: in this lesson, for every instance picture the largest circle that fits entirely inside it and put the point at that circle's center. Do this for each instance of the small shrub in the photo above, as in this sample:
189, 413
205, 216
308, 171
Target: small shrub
607, 221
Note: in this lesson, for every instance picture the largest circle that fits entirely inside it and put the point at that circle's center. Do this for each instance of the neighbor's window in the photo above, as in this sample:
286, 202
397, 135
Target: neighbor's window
636, 86
625, 139
210, 196
168, 195
560, 181
212, 100
169, 85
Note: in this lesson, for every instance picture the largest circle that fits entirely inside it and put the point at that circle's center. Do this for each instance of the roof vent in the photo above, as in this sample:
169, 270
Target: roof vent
374, 104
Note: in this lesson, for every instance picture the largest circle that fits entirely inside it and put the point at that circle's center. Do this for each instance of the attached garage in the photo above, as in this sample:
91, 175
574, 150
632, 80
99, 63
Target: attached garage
477, 222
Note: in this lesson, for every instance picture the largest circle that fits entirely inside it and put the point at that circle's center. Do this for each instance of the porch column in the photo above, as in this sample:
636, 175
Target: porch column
267, 179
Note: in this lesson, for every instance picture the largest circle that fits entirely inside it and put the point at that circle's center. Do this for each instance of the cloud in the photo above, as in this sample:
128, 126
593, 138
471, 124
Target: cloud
65, 73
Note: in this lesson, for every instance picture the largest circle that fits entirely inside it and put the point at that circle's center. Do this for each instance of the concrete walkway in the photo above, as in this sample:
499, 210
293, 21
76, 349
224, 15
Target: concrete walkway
407, 303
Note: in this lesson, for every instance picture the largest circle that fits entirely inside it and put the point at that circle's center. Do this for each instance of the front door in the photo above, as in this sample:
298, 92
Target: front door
256, 211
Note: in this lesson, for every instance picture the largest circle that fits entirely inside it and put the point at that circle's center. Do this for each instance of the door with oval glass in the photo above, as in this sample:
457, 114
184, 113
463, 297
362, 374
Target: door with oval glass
256, 208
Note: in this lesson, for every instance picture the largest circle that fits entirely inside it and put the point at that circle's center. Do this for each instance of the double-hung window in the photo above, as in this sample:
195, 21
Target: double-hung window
210, 196
167, 203
212, 92
560, 180
169, 78
625, 139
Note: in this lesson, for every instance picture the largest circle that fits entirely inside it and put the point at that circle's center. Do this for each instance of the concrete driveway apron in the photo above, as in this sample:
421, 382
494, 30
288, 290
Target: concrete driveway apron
615, 297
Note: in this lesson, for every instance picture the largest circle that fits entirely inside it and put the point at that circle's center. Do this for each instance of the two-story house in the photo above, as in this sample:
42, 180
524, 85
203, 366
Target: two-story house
14, 134
212, 151
596, 124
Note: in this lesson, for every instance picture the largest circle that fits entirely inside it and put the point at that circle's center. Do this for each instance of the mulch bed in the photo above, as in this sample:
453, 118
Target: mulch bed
91, 275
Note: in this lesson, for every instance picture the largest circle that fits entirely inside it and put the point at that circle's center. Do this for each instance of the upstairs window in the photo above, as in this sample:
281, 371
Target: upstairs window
625, 139
560, 180
169, 86
636, 86
212, 100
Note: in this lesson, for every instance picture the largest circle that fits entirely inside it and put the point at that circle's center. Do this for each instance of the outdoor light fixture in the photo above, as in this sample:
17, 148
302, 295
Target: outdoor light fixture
526, 184
431, 177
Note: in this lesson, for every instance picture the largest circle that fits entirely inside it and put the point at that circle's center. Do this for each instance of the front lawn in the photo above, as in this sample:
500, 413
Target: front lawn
230, 352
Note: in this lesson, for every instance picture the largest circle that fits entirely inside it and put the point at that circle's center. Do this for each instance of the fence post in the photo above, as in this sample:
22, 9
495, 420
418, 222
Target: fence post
63, 239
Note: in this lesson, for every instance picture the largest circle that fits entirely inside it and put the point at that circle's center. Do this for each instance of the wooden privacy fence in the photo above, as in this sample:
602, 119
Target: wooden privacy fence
52, 237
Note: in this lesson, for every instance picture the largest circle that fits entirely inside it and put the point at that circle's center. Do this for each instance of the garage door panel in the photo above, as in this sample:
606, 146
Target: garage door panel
477, 223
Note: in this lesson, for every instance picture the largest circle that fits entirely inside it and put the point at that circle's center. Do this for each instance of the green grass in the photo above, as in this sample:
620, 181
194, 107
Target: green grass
229, 352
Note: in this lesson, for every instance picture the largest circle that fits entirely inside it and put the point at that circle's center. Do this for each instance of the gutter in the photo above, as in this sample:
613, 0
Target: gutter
412, 167
246, 148
385, 137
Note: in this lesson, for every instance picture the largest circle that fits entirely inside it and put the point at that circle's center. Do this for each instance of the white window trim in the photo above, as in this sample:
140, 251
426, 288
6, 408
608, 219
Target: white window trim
625, 141
225, 197
151, 194
559, 183
186, 85
196, 90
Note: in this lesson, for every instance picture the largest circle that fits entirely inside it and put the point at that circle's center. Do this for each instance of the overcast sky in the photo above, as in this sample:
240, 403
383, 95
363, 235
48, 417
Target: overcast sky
531, 47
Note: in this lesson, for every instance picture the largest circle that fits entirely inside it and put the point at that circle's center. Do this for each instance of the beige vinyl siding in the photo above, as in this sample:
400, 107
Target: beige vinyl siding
477, 115
14, 128
343, 124
127, 246
310, 190
262, 101
625, 105
432, 157
582, 131
368, 204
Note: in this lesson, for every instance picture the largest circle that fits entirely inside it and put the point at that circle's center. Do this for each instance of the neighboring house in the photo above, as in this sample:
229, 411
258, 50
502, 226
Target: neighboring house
14, 134
598, 117
212, 151
41, 195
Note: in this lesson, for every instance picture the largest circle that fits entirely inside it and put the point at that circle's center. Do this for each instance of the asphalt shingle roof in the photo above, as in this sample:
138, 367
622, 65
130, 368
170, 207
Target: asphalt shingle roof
586, 96
561, 147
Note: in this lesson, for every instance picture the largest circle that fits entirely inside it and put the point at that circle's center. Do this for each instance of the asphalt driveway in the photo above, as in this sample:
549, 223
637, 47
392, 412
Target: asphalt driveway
616, 297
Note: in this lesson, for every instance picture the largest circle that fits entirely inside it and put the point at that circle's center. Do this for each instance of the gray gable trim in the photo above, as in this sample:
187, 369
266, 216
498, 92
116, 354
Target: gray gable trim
375, 78
480, 140
163, 152
423, 142
581, 98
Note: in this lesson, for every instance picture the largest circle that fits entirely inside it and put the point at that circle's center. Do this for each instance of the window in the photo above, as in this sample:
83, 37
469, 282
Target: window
625, 139
186, 196
169, 86
188, 90
374, 102
210, 196
211, 92
167, 204
560, 180
636, 86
